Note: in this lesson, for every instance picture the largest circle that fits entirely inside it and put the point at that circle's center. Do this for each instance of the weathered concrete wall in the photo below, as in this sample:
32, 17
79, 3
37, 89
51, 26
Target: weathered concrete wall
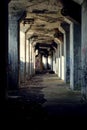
13, 54
84, 49
22, 57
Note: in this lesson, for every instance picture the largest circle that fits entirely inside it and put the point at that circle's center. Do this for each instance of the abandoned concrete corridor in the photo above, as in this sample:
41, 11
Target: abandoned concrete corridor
43, 60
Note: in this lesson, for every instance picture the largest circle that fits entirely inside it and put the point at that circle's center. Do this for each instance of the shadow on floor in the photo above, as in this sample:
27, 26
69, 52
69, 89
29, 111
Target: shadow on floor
32, 109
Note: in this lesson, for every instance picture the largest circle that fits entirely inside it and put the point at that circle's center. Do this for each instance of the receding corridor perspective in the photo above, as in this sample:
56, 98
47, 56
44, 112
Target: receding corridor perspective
44, 61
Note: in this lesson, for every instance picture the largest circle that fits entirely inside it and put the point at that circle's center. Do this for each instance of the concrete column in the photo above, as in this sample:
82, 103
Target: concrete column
50, 61
57, 61
41, 64
61, 60
34, 59
84, 50
13, 53
44, 61
33, 55
75, 45
66, 28
54, 62
67, 54
65, 70
72, 55
22, 57
30, 57
27, 59
77, 56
